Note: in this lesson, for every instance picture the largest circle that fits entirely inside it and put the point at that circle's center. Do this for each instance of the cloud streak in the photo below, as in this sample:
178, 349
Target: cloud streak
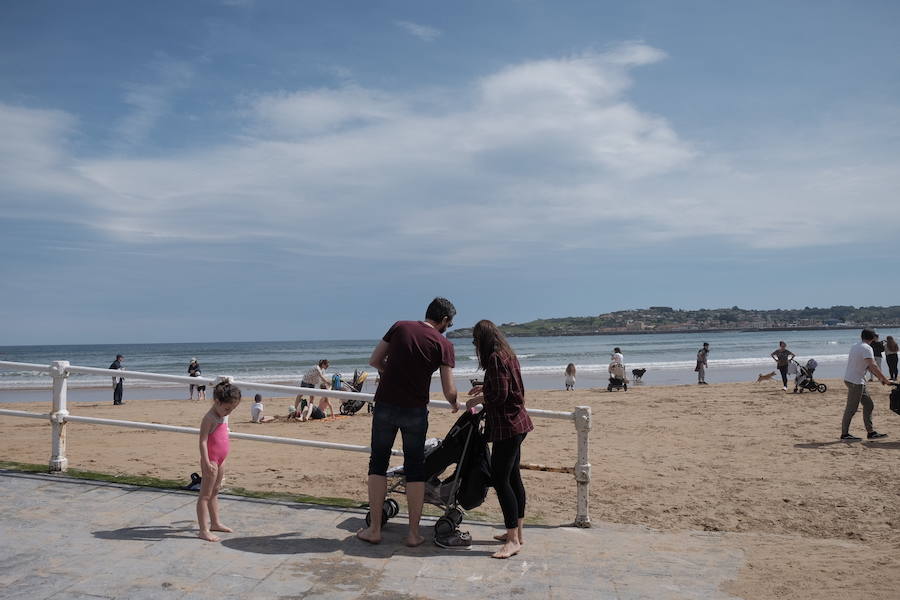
423, 32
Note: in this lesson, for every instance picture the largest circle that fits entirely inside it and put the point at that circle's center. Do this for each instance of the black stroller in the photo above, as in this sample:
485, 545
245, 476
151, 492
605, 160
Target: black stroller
804, 379
351, 407
465, 489
617, 379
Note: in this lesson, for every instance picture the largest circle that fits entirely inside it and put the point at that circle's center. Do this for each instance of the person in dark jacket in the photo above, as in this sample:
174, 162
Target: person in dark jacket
118, 382
506, 424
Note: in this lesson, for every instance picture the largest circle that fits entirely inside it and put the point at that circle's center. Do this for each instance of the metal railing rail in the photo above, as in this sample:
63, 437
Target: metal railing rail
59, 417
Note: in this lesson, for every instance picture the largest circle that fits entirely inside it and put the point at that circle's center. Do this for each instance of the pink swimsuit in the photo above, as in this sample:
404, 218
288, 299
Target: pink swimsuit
217, 444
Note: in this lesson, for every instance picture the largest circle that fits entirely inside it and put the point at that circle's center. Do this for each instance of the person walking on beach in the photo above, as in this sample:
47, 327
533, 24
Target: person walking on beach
783, 358
118, 382
570, 377
860, 360
214, 447
406, 357
507, 424
877, 350
702, 363
890, 355
193, 371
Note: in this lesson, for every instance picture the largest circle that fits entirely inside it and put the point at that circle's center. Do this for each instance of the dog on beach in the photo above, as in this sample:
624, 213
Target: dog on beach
766, 377
638, 373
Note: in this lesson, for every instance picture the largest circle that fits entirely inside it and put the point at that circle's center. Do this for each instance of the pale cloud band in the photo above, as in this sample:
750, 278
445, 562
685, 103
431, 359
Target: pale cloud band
423, 32
547, 154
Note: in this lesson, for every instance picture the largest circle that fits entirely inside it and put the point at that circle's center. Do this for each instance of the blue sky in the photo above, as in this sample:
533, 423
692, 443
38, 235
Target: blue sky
253, 170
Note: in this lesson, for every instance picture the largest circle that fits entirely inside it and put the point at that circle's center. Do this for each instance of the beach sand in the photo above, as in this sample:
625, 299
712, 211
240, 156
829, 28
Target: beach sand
814, 517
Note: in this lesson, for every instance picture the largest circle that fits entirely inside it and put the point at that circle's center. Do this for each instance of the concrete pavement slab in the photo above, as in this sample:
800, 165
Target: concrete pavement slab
68, 538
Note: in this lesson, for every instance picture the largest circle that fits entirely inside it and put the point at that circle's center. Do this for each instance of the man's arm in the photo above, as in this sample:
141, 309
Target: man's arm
872, 366
379, 356
449, 386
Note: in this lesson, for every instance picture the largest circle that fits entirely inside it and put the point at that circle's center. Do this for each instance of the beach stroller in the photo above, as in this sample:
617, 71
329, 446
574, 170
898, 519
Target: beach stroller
804, 379
617, 379
351, 407
465, 445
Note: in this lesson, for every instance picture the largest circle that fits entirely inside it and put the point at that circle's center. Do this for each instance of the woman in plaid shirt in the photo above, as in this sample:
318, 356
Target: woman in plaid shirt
507, 424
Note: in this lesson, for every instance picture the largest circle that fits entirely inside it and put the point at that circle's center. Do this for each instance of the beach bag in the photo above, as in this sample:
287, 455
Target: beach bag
895, 399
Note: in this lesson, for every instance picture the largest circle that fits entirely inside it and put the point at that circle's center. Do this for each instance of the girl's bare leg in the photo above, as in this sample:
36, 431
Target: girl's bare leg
214, 523
207, 489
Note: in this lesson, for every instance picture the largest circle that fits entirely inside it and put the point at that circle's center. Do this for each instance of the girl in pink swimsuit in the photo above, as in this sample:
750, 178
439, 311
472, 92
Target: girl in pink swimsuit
214, 447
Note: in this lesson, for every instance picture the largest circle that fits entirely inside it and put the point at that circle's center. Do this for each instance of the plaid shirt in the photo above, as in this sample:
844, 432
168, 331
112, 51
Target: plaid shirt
504, 399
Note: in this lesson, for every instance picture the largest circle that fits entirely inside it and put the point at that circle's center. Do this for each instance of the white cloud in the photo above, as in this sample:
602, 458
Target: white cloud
150, 101
423, 32
541, 156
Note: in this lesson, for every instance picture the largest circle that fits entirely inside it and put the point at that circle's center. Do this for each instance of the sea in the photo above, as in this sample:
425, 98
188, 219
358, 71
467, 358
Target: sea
669, 359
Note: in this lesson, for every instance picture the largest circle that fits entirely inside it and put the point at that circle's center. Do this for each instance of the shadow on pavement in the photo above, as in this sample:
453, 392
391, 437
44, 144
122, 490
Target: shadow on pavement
147, 534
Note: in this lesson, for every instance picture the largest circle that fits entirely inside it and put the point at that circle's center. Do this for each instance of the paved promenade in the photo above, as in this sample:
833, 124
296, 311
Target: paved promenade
66, 538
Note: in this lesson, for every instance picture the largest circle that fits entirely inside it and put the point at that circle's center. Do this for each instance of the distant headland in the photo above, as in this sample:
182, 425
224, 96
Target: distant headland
664, 319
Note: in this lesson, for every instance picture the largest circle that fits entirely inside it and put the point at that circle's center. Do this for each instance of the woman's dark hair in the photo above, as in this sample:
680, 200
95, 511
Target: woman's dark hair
488, 339
440, 308
226, 393
323, 363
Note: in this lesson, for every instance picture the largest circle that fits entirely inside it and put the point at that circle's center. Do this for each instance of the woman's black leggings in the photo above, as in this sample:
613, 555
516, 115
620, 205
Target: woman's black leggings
892, 365
783, 375
505, 457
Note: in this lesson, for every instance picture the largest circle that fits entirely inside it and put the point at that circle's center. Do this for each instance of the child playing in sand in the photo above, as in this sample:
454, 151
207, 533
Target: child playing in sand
256, 411
214, 447
570, 377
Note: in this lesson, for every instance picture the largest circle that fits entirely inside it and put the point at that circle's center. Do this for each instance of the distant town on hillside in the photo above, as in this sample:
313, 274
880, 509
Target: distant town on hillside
660, 319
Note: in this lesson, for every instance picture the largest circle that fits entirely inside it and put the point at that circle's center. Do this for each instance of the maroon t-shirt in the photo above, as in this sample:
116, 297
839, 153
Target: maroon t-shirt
416, 350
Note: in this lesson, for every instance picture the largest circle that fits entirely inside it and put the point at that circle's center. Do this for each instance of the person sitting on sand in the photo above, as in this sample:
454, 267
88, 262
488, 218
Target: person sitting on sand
307, 411
256, 411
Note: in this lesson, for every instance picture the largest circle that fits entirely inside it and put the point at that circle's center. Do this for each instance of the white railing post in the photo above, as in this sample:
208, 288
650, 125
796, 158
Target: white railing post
58, 414
583, 467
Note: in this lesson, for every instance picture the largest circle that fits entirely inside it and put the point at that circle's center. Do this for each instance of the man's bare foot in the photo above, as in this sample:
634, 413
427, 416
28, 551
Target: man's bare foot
366, 536
508, 549
501, 537
413, 541
205, 535
222, 528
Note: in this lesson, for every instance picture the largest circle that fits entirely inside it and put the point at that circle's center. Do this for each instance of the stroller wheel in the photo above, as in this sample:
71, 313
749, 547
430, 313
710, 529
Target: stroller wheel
444, 527
455, 515
609, 388
822, 388
391, 508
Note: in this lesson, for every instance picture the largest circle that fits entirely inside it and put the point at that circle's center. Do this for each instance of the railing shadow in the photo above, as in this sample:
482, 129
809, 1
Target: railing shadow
147, 533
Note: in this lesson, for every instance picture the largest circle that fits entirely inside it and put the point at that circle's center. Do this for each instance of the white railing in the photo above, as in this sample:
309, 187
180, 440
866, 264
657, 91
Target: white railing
59, 417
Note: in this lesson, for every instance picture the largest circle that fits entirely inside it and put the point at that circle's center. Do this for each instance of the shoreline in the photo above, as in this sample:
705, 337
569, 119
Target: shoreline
464, 333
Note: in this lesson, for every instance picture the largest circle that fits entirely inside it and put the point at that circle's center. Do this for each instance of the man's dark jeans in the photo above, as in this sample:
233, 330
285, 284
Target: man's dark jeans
118, 390
413, 425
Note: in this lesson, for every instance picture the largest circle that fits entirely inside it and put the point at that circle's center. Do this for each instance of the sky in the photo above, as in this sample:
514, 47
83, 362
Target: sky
275, 170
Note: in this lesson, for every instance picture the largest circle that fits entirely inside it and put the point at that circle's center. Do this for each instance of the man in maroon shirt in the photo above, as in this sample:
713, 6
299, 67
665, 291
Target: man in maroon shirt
406, 357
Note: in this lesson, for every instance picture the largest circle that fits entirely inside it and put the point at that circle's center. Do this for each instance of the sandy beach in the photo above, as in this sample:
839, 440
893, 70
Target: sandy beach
816, 518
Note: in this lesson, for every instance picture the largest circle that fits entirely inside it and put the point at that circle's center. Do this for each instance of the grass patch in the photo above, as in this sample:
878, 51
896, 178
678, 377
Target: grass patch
170, 484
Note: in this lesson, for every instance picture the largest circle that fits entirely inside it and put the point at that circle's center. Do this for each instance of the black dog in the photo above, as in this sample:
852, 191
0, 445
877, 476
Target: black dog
638, 373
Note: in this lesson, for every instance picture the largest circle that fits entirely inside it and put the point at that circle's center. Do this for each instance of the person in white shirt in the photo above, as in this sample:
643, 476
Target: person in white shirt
861, 360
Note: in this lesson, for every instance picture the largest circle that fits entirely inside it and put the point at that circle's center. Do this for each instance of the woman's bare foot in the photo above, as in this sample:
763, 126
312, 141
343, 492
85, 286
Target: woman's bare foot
221, 527
501, 537
508, 549
209, 537
413, 541
366, 536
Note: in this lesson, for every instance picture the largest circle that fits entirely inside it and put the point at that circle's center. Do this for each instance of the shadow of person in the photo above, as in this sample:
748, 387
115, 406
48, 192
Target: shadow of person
816, 445
283, 543
147, 534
